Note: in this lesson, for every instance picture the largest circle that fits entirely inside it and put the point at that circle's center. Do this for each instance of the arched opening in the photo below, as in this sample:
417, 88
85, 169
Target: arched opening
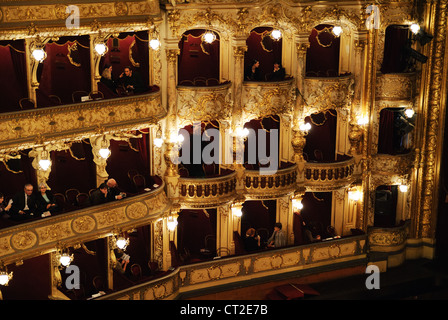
264, 48
261, 148
395, 59
260, 215
386, 198
64, 76
320, 143
198, 61
395, 131
322, 56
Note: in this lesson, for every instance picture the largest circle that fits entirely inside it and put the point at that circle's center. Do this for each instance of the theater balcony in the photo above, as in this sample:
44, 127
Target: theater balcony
329, 176
210, 191
78, 120
265, 186
187, 280
262, 98
322, 93
41, 236
206, 101
395, 86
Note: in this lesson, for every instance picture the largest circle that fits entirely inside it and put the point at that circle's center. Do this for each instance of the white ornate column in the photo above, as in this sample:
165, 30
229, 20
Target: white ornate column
100, 142
285, 216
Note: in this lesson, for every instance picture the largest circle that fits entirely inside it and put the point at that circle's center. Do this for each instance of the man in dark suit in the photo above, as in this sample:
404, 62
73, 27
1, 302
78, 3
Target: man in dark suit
132, 81
113, 192
99, 196
24, 204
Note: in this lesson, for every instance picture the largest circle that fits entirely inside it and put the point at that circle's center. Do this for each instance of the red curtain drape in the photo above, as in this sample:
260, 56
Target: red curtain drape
386, 132
394, 60
261, 47
64, 72
13, 86
197, 61
322, 136
322, 57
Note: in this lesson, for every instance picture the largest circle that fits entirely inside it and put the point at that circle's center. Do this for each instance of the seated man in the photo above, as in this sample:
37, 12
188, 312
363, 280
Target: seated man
113, 193
24, 204
99, 196
132, 81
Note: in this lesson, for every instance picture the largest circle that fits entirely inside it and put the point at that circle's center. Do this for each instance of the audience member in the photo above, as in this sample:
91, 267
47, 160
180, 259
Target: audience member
99, 195
251, 241
4, 209
106, 78
113, 192
310, 232
45, 200
278, 74
253, 73
24, 204
278, 237
132, 81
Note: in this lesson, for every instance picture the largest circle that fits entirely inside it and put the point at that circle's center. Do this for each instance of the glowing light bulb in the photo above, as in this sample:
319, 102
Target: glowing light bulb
409, 113
276, 34
154, 44
404, 188
44, 164
209, 37
39, 54
65, 259
158, 142
101, 48
415, 28
337, 30
122, 243
104, 153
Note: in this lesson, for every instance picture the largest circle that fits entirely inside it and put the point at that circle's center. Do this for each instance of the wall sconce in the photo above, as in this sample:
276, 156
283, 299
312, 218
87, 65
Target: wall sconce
101, 48
337, 30
5, 277
39, 54
158, 142
354, 194
404, 188
276, 34
305, 127
297, 204
104, 151
242, 133
415, 28
44, 162
171, 222
121, 242
64, 257
208, 36
237, 211
409, 112
176, 138
363, 121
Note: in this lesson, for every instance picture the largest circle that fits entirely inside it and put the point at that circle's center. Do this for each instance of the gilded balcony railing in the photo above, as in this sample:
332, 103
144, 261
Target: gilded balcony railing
228, 270
328, 92
329, 175
79, 120
203, 192
262, 186
263, 98
42, 236
201, 103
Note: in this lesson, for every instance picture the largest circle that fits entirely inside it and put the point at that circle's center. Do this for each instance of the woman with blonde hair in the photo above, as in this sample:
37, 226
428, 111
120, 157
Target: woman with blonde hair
106, 78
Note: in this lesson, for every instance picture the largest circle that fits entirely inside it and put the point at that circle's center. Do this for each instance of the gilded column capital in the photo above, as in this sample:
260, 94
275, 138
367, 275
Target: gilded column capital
239, 51
360, 45
171, 55
302, 48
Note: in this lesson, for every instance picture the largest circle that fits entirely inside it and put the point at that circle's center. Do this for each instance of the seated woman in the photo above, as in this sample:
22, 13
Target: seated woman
45, 200
278, 73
